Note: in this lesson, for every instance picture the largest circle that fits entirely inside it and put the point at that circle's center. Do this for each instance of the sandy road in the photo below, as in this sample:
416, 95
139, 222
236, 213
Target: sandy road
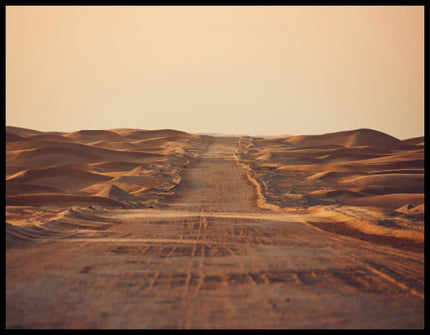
211, 259
216, 184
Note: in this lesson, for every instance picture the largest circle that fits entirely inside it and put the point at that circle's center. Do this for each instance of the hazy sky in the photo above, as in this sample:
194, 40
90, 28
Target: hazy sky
234, 70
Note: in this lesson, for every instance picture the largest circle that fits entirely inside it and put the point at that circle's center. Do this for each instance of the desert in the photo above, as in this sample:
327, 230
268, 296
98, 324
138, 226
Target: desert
131, 228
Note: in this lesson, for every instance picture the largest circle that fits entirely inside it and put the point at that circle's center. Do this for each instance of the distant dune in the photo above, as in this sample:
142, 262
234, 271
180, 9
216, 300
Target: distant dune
360, 167
352, 138
415, 140
138, 134
24, 132
94, 166
95, 135
11, 137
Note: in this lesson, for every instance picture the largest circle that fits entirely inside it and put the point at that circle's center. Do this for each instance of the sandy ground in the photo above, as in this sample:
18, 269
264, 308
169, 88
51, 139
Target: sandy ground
207, 252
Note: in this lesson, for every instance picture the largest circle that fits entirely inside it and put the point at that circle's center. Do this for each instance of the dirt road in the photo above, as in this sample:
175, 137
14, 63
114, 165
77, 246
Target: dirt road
211, 259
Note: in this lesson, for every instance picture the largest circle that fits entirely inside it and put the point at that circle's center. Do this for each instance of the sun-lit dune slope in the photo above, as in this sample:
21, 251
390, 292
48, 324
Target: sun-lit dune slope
127, 167
354, 168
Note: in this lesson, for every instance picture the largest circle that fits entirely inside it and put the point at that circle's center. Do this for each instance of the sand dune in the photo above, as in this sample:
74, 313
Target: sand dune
95, 163
86, 136
130, 228
115, 192
413, 183
415, 140
392, 201
46, 146
155, 142
18, 234
23, 132
11, 137
14, 188
115, 166
72, 171
67, 177
138, 134
115, 145
59, 200
360, 167
51, 137
352, 138
411, 209
50, 156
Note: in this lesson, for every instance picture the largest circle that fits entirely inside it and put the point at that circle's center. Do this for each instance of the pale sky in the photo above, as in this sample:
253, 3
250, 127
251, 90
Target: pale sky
258, 70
